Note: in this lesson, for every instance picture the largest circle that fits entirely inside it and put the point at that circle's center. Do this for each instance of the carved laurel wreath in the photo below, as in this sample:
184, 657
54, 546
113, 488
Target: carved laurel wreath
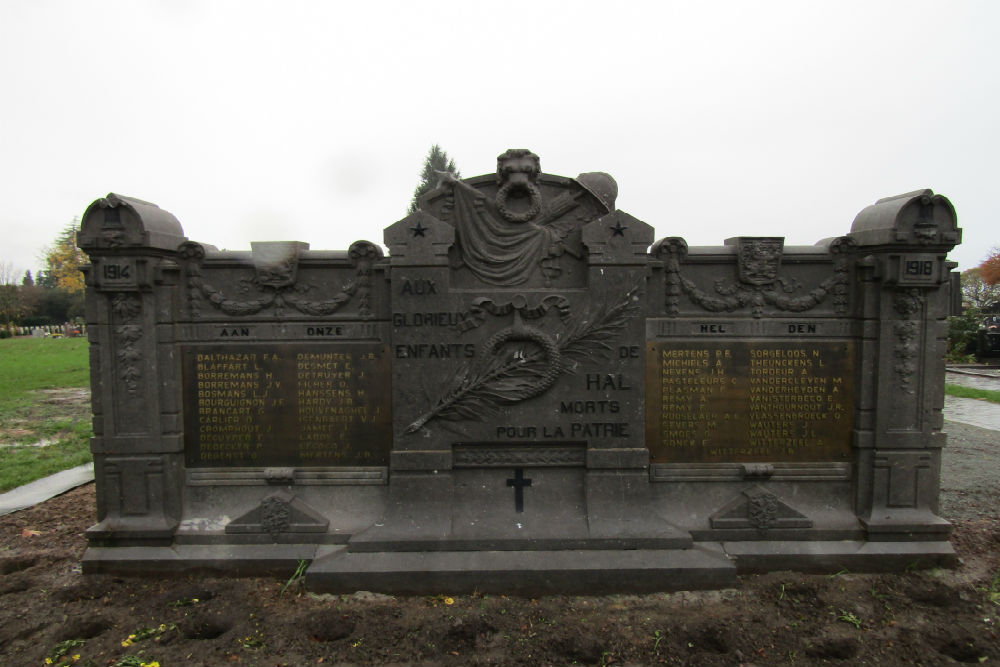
502, 376
536, 201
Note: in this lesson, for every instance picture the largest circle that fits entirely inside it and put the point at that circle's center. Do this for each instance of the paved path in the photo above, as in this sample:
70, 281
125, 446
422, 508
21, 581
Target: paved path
980, 379
42, 489
970, 410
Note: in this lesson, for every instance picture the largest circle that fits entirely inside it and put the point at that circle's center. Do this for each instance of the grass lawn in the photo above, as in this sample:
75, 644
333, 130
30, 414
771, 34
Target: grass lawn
28, 363
43, 399
970, 392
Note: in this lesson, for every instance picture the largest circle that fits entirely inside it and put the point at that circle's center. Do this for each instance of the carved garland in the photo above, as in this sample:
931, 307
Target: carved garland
907, 303
363, 254
733, 296
762, 511
526, 457
126, 308
475, 317
275, 515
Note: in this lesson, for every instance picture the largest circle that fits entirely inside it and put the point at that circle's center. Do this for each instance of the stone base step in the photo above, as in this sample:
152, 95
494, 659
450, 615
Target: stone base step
530, 573
835, 556
706, 565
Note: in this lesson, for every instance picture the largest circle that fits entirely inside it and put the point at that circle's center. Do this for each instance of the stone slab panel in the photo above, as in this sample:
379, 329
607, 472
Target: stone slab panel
835, 556
230, 559
523, 572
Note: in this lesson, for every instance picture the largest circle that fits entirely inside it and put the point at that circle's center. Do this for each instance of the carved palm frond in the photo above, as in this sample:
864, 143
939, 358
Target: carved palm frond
595, 336
506, 379
514, 376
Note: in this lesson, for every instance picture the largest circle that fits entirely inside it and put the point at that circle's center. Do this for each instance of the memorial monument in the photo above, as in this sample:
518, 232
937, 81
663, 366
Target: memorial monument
527, 395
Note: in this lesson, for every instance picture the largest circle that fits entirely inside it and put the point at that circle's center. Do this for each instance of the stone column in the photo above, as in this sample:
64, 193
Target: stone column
903, 292
131, 301
617, 487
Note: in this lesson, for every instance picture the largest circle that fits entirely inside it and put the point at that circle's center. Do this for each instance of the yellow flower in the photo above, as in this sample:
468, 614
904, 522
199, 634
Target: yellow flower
76, 657
48, 661
449, 600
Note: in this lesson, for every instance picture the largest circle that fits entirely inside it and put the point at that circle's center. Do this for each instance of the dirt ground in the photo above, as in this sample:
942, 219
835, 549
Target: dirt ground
50, 611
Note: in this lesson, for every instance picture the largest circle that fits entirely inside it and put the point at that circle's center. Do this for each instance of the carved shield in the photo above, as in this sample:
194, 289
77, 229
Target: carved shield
277, 262
759, 258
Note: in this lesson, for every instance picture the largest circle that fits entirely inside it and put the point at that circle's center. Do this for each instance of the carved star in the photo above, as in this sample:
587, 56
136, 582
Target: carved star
418, 230
618, 230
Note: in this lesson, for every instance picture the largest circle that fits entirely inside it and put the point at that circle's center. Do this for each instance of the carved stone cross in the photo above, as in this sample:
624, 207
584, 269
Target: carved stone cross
519, 483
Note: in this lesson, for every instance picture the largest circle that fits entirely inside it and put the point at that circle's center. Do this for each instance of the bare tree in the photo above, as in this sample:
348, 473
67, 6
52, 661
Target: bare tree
976, 291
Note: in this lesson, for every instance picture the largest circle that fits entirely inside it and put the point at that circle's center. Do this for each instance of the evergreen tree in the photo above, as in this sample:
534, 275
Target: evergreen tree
27, 281
43, 279
436, 163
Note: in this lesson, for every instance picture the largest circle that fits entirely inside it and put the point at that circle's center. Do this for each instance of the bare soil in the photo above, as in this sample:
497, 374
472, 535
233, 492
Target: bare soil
48, 609
67, 405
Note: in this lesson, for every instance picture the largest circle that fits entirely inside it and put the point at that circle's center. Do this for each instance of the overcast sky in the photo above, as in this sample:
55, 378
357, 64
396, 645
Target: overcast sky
310, 121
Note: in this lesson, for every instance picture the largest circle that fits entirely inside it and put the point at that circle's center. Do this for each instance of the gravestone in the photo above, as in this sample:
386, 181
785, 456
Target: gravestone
527, 394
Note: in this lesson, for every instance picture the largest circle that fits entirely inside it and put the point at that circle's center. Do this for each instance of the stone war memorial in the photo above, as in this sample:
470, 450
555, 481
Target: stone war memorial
528, 393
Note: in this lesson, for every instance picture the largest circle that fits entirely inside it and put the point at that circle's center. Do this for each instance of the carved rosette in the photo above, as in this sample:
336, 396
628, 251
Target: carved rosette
278, 285
906, 331
759, 282
127, 308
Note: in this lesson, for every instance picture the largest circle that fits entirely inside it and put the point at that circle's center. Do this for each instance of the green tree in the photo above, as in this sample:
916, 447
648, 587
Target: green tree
43, 279
11, 305
436, 163
976, 291
962, 332
63, 260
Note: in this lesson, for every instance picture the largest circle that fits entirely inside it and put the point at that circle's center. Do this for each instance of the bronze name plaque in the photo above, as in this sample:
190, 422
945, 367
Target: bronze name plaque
287, 404
749, 401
